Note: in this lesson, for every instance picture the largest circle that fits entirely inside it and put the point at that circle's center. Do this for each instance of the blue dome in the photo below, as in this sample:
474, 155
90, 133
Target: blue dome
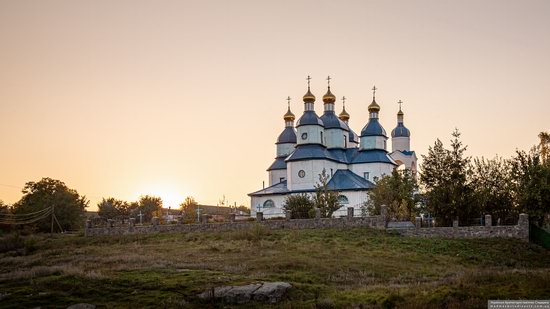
287, 136
309, 118
331, 121
373, 128
400, 131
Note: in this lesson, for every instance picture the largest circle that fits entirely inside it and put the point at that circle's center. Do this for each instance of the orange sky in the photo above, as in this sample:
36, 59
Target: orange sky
177, 98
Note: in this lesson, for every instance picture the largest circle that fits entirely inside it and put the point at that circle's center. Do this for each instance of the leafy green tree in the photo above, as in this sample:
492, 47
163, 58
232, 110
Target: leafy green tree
69, 205
149, 206
300, 205
398, 191
325, 199
189, 209
112, 208
244, 209
531, 184
445, 177
492, 185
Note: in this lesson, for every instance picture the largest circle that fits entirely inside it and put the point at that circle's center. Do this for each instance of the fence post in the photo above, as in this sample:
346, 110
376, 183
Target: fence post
488, 221
350, 213
317, 213
383, 216
455, 222
155, 221
418, 222
259, 216
204, 219
232, 218
523, 225
131, 224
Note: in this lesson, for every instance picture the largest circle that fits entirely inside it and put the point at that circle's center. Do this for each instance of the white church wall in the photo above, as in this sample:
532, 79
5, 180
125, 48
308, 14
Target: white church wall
312, 169
376, 169
409, 161
373, 142
284, 149
313, 134
276, 175
258, 202
336, 138
355, 200
400, 143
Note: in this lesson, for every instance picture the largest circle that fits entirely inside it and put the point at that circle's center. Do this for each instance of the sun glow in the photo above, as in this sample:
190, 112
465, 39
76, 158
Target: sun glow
171, 195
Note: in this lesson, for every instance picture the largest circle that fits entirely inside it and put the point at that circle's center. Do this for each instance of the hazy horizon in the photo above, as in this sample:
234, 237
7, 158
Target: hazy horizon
177, 98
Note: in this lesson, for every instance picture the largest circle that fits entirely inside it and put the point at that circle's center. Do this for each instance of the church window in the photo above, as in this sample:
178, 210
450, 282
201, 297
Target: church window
366, 175
322, 141
342, 200
281, 179
345, 142
304, 135
302, 173
269, 204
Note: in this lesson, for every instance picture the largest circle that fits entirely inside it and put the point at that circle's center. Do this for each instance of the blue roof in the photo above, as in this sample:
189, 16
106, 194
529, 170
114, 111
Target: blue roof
400, 131
278, 164
331, 121
407, 153
348, 180
287, 136
309, 118
371, 156
373, 128
279, 188
346, 156
310, 152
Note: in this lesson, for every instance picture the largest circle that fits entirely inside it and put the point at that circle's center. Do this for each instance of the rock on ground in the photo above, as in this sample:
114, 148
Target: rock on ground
270, 292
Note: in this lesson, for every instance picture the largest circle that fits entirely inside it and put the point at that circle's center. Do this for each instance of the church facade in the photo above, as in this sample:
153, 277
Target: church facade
353, 162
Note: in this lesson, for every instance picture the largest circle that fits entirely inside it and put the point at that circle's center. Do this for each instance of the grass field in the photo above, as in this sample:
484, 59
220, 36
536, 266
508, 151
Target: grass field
328, 268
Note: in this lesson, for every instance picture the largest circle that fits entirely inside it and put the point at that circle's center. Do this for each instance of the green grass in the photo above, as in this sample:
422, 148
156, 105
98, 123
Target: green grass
328, 268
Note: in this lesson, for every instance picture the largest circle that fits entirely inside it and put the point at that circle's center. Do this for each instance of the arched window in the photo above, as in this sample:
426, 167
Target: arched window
322, 141
345, 142
342, 200
269, 204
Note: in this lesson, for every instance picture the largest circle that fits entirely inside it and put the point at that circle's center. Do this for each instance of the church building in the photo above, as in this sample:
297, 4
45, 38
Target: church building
353, 163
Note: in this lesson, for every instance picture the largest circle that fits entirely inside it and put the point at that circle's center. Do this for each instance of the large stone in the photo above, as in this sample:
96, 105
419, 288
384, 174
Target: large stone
271, 292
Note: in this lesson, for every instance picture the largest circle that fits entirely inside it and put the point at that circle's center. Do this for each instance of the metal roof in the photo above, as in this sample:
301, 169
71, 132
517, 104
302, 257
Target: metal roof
279, 188
278, 164
331, 121
287, 136
373, 128
346, 156
348, 180
400, 131
309, 118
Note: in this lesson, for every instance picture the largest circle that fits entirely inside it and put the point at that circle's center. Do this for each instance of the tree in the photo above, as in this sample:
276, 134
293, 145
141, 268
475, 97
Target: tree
445, 175
244, 209
492, 187
149, 206
531, 184
4, 209
189, 209
325, 199
299, 205
544, 146
68, 205
398, 192
112, 208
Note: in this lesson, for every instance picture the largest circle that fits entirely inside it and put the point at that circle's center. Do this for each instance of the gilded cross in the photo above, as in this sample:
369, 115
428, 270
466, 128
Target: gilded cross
308, 80
288, 99
344, 101
328, 80
400, 102
374, 91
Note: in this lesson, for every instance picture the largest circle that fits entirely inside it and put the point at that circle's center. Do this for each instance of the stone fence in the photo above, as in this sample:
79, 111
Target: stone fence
293, 224
521, 230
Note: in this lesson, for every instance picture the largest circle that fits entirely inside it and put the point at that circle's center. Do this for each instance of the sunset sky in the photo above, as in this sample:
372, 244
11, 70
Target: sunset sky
178, 98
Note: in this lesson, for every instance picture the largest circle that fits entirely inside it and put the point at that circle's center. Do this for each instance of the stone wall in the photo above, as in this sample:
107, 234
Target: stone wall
295, 224
521, 230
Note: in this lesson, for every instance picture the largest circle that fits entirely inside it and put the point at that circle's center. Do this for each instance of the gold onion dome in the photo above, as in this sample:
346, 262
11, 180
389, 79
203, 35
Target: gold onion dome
329, 97
400, 112
309, 97
344, 116
374, 107
289, 116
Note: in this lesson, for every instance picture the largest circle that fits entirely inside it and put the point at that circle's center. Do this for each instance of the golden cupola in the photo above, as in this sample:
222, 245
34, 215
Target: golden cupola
289, 116
344, 116
374, 107
329, 97
309, 97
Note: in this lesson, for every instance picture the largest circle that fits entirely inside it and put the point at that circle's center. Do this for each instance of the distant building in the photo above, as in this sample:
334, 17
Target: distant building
214, 212
353, 162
